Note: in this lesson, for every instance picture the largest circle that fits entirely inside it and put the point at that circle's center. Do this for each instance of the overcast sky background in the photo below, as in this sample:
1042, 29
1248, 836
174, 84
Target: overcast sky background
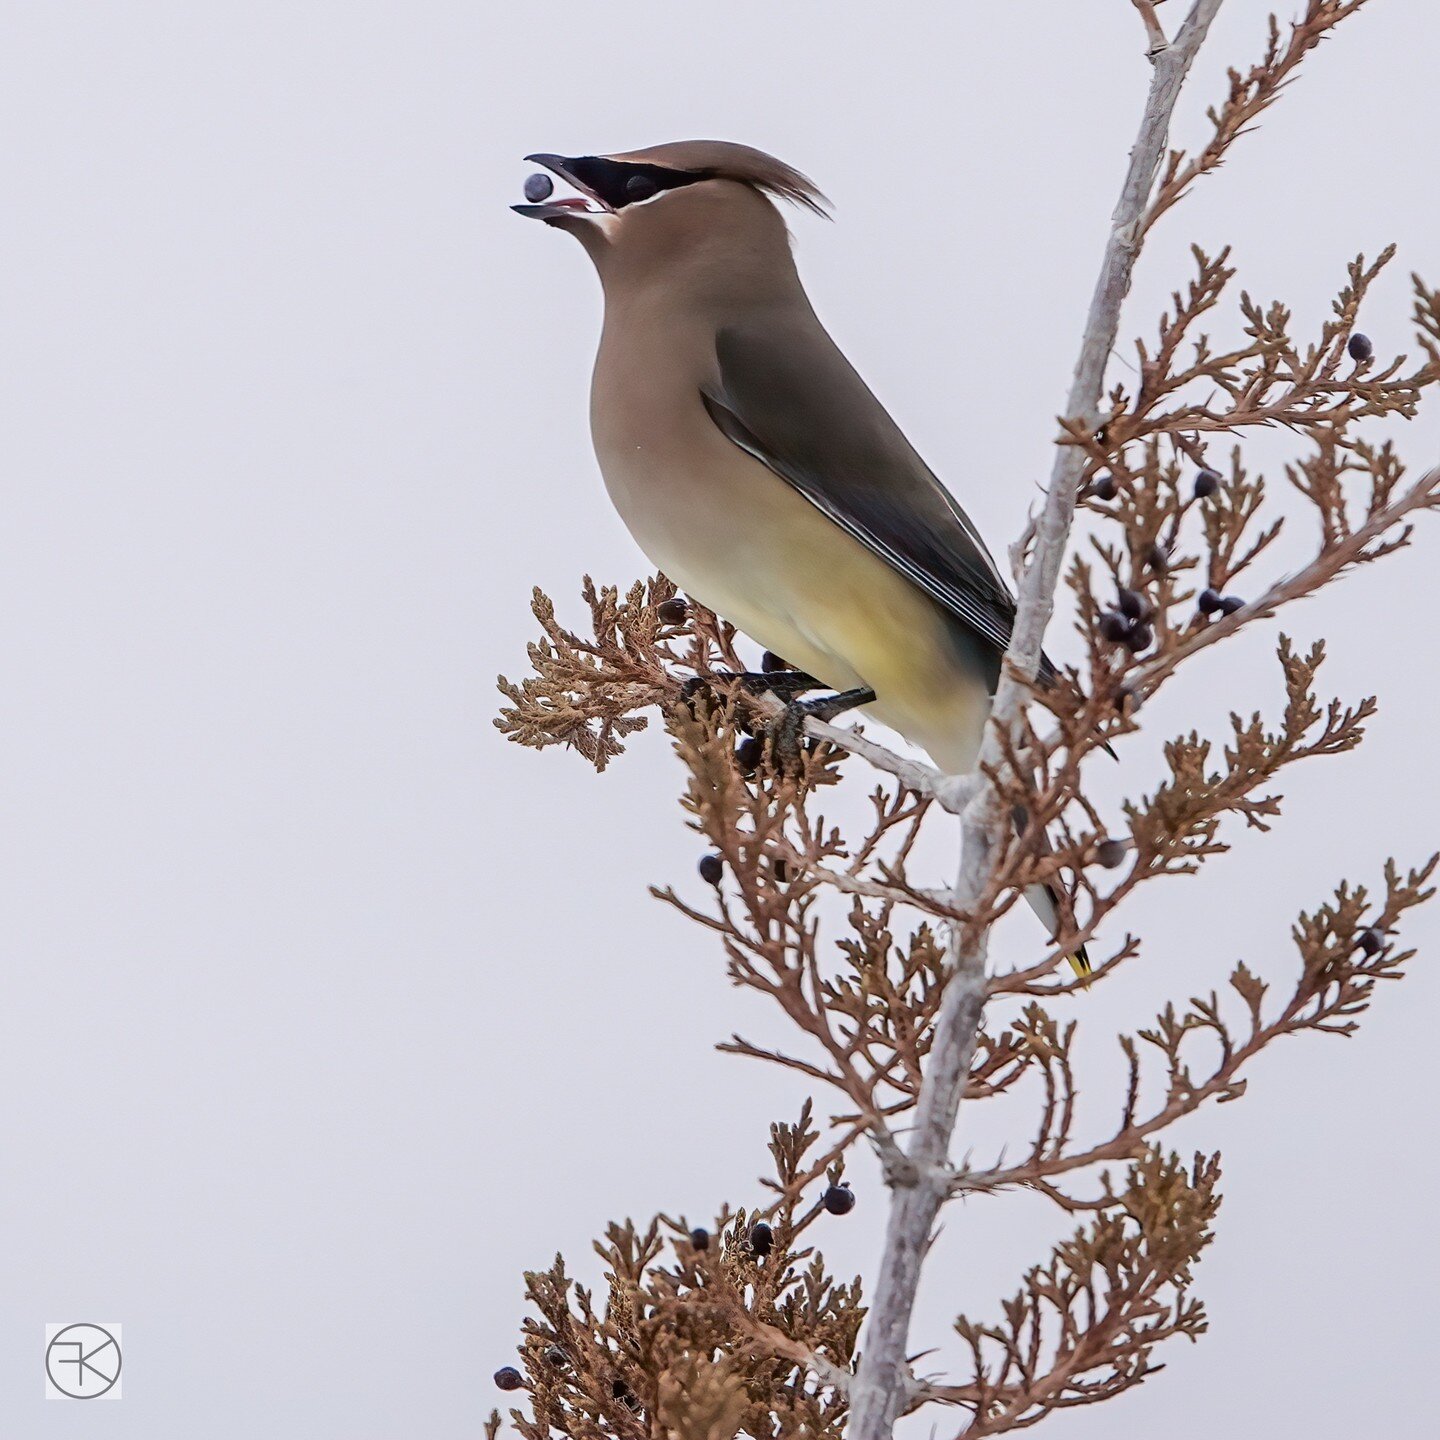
323, 1011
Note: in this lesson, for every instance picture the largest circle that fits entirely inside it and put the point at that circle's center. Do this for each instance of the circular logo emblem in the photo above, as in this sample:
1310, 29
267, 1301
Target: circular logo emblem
83, 1361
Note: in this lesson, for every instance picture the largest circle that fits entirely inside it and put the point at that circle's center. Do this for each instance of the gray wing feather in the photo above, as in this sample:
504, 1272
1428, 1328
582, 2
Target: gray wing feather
788, 396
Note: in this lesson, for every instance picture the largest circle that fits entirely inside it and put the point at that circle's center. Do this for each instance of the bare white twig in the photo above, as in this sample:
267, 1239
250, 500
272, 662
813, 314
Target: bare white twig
1154, 31
932, 902
879, 1391
951, 792
915, 775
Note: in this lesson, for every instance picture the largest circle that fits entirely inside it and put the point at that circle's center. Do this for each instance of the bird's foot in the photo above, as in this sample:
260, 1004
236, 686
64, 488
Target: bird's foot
782, 684
786, 731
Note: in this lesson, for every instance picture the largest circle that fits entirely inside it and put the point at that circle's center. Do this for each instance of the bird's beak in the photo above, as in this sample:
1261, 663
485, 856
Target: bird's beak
565, 207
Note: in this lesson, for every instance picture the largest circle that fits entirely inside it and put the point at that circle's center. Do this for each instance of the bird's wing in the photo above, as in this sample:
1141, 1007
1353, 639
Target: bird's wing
787, 395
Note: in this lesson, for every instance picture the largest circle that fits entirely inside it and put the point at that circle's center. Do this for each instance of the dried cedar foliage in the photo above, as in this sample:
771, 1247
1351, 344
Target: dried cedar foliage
586, 691
697, 1342
831, 924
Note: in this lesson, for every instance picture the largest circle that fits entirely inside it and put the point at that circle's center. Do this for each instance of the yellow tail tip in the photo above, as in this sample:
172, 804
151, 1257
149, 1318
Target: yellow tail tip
1080, 963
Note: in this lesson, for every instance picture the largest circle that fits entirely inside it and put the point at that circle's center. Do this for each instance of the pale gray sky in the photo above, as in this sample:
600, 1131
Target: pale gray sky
325, 1011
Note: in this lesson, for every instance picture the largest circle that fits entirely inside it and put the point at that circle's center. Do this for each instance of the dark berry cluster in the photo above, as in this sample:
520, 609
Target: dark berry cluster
1128, 624
1212, 602
837, 1199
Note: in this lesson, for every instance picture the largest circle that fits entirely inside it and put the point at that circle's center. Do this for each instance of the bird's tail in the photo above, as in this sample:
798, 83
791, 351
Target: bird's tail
1045, 901
1050, 904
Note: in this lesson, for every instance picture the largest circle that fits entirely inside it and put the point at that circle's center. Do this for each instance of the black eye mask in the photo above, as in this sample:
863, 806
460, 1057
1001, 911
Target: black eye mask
619, 183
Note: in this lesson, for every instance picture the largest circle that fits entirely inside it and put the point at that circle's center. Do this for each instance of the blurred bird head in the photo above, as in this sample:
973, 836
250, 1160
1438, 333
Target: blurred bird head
694, 204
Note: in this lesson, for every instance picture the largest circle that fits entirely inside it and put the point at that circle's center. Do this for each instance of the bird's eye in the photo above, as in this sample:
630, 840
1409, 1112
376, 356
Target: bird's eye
640, 187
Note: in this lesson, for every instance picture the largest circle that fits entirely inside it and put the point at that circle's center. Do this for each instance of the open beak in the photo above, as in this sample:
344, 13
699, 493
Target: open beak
564, 207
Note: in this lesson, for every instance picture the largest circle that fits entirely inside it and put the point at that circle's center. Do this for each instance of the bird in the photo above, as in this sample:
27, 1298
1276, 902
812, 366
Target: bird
754, 466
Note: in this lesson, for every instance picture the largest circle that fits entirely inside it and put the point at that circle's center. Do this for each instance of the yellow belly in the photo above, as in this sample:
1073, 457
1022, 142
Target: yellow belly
744, 543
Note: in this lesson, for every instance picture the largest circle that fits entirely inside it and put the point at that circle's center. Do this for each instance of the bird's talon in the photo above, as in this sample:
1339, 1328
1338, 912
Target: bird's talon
784, 685
786, 731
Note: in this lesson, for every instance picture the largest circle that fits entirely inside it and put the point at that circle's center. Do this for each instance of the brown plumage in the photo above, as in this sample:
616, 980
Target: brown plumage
752, 463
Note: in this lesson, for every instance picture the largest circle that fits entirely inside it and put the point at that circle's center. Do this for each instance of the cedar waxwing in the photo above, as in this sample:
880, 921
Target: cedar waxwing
753, 465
